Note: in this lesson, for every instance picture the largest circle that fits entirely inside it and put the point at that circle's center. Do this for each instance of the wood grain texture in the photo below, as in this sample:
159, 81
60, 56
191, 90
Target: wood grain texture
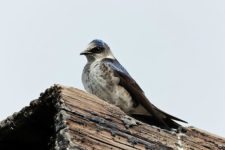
95, 124
65, 118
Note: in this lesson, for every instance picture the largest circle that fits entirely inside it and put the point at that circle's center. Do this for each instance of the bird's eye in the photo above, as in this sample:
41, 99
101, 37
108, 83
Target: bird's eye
97, 49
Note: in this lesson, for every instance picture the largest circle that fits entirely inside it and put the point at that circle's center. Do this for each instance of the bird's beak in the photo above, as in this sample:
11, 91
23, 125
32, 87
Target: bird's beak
86, 52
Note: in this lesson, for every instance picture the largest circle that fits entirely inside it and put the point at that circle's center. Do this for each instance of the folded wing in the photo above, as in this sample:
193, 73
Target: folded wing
158, 117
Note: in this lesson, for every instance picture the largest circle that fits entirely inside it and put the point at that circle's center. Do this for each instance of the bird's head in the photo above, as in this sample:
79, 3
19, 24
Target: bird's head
97, 50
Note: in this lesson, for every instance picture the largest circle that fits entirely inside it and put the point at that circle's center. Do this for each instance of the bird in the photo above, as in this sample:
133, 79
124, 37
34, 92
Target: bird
106, 78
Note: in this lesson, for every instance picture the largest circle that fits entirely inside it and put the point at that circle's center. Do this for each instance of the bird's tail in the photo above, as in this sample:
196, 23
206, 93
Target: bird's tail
170, 124
168, 115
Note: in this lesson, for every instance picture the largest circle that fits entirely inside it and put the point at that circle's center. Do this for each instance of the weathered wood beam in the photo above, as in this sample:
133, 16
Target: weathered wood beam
68, 118
96, 124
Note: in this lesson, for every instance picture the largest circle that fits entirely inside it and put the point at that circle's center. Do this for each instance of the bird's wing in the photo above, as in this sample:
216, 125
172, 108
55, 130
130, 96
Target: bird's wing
132, 87
136, 92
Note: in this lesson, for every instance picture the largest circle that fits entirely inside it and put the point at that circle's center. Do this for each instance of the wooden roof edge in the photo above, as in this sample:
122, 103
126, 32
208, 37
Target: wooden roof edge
45, 113
51, 109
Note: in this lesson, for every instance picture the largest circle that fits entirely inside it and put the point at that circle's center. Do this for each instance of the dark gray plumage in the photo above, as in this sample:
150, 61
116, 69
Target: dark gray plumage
105, 77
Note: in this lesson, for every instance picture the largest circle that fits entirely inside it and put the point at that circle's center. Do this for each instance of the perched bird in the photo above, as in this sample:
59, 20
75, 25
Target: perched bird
106, 78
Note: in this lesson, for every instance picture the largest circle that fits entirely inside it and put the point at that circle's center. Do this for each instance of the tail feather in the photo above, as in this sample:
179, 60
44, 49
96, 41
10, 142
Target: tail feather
170, 124
168, 115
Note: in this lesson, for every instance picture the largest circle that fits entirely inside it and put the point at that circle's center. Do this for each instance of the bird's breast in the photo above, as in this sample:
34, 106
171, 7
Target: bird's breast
99, 80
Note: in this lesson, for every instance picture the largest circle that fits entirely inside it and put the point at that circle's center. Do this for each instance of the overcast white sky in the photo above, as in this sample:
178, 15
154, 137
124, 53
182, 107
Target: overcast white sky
174, 49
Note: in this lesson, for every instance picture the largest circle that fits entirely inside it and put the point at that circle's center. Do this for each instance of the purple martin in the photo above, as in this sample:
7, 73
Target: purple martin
106, 78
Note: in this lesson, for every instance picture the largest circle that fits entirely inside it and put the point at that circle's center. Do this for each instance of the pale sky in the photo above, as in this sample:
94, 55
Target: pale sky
174, 49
